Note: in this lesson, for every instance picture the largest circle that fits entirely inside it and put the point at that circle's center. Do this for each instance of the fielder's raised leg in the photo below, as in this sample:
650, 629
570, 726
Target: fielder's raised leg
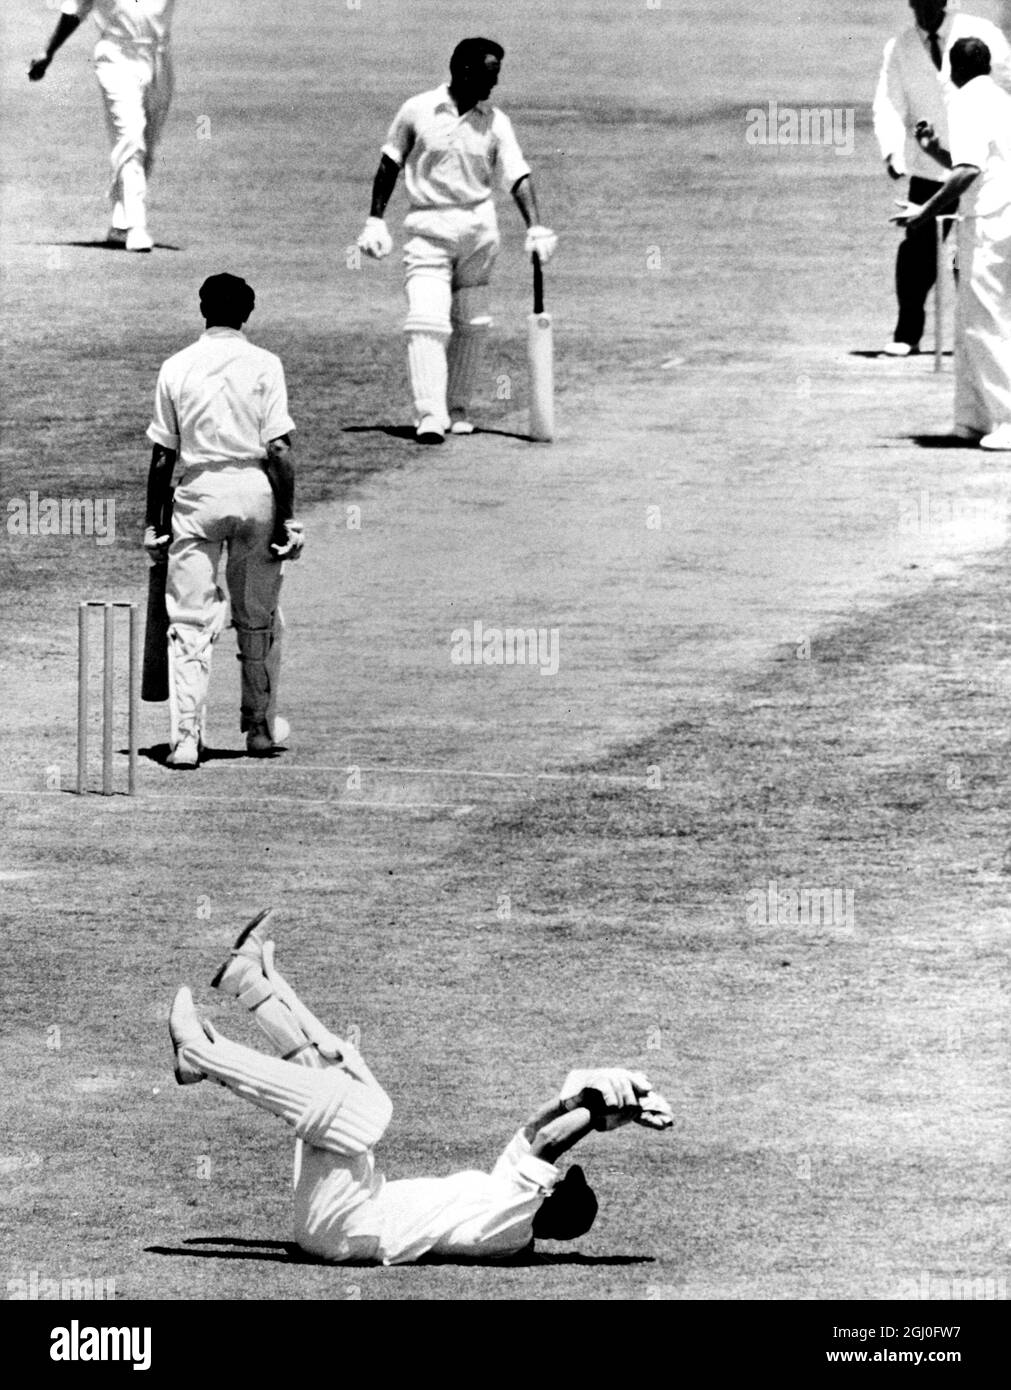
455, 149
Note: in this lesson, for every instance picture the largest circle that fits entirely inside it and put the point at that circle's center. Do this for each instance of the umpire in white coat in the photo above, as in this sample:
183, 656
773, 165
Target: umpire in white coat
979, 127
915, 87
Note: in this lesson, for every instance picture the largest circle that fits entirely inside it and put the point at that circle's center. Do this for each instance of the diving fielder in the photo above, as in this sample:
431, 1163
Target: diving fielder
345, 1210
134, 70
221, 409
455, 148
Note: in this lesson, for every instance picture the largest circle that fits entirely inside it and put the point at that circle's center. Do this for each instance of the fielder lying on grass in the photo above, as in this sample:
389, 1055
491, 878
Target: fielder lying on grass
345, 1210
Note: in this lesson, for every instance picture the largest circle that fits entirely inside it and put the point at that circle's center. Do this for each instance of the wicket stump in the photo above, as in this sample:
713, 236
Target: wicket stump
939, 290
108, 674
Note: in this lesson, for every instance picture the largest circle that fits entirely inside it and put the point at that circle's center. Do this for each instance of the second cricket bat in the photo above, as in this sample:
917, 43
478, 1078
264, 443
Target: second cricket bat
540, 347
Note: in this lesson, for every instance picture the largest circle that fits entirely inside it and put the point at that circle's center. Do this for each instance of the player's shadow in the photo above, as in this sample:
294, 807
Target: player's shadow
407, 432
877, 352
110, 246
232, 1248
287, 1252
942, 441
158, 753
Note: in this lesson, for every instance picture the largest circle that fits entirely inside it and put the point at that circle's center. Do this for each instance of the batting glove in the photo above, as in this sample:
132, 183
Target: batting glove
375, 239
155, 545
543, 241
292, 544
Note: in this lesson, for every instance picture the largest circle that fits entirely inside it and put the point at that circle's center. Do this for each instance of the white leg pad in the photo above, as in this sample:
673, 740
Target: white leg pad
426, 364
464, 357
328, 1109
331, 1048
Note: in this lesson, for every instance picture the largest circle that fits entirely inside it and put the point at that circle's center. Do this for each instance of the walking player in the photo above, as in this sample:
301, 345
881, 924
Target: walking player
915, 87
455, 148
979, 125
134, 70
345, 1210
221, 407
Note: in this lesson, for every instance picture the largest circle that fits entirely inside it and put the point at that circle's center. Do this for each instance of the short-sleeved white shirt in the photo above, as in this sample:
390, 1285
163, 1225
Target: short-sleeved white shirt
979, 129
127, 21
220, 400
453, 161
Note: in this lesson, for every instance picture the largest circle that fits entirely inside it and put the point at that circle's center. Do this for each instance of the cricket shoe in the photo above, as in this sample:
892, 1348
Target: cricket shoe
900, 350
461, 426
185, 1028
247, 952
998, 439
139, 239
430, 431
186, 752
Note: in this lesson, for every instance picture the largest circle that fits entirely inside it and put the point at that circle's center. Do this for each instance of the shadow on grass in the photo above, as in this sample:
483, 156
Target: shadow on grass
158, 753
287, 1252
109, 246
877, 352
942, 441
407, 432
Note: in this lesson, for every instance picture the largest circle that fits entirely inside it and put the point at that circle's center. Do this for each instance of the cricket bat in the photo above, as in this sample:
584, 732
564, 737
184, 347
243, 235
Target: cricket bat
540, 348
154, 685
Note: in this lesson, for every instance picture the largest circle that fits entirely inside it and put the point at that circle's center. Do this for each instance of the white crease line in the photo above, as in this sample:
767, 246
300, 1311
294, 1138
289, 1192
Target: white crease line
345, 768
137, 802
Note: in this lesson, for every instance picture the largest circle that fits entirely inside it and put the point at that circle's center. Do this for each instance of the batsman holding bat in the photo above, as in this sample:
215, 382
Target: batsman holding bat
221, 411
455, 148
345, 1210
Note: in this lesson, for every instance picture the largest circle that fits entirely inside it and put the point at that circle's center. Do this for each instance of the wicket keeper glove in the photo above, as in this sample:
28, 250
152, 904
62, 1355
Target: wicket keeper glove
543, 241
375, 239
155, 545
291, 547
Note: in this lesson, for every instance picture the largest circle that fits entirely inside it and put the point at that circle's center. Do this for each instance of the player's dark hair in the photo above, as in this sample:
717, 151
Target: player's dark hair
226, 299
469, 53
570, 1210
971, 56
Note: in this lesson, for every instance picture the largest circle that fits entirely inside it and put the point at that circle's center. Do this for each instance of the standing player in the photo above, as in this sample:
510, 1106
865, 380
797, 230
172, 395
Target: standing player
221, 407
914, 87
344, 1209
455, 148
979, 125
134, 70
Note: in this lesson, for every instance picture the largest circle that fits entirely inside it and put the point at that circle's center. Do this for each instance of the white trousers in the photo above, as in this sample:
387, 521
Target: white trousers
983, 323
224, 511
136, 83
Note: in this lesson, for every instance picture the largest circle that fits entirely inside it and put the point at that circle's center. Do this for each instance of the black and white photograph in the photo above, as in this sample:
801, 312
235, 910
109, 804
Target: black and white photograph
506, 666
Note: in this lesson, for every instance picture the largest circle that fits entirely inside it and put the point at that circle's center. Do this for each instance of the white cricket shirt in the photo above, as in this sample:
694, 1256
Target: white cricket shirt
911, 89
979, 122
449, 160
127, 21
220, 400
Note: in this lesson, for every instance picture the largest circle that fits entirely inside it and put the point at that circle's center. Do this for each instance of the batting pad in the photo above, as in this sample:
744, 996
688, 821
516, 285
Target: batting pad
328, 1109
426, 364
464, 358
